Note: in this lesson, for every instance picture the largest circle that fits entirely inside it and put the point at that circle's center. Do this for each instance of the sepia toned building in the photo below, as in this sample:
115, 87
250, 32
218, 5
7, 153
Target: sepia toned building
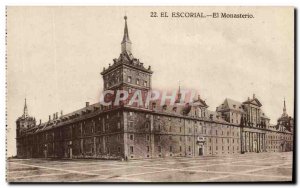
130, 131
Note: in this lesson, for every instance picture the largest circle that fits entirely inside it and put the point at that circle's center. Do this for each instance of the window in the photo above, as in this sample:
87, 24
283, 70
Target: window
216, 140
148, 137
129, 90
130, 113
159, 149
216, 147
189, 148
171, 148
119, 125
170, 128
180, 138
131, 149
170, 137
148, 149
179, 129
131, 137
129, 79
216, 132
190, 130
137, 81
118, 137
131, 124
180, 149
145, 83
119, 149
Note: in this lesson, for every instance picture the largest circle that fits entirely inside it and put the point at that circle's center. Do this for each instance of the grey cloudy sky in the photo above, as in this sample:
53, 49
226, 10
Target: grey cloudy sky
55, 55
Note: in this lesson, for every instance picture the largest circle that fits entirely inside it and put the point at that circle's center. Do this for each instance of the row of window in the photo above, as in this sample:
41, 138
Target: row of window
171, 149
280, 137
228, 148
131, 137
160, 150
237, 140
137, 81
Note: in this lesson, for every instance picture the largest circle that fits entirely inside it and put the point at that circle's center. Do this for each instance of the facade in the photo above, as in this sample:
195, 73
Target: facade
131, 131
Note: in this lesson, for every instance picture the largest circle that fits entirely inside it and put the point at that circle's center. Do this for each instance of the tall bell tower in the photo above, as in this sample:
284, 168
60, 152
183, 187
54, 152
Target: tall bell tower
127, 72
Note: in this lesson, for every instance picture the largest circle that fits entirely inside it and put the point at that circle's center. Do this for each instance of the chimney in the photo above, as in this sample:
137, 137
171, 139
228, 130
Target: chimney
49, 117
253, 96
53, 116
61, 113
87, 104
56, 115
149, 68
40, 121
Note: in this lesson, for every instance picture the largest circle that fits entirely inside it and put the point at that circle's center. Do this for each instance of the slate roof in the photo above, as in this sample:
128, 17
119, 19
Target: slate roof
230, 104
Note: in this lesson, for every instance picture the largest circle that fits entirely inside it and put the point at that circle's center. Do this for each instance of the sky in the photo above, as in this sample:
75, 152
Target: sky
55, 56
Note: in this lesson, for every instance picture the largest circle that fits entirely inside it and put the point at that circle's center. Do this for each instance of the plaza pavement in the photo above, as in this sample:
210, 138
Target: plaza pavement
251, 167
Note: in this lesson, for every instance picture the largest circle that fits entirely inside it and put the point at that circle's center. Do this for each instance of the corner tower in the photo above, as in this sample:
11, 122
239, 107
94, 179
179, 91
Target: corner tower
23, 123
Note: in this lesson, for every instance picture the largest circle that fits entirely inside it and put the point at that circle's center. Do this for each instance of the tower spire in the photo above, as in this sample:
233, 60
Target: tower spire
126, 43
178, 95
25, 114
284, 107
